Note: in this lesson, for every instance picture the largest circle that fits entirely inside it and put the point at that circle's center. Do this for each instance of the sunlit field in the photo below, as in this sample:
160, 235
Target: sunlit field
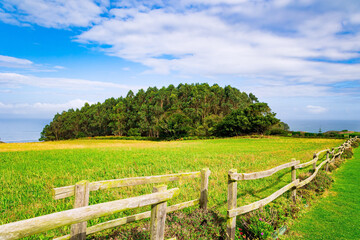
29, 171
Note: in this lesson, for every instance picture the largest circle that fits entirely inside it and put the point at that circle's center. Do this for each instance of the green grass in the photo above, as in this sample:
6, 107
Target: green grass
337, 215
29, 171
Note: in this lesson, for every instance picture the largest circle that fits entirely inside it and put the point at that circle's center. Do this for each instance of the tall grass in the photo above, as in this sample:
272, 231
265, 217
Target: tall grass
29, 171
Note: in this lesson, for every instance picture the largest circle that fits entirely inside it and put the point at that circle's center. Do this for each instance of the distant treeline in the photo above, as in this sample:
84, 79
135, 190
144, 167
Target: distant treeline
169, 112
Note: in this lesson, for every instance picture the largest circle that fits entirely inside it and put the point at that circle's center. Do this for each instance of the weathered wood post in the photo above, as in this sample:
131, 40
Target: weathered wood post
232, 199
328, 160
158, 217
78, 230
314, 164
293, 178
204, 190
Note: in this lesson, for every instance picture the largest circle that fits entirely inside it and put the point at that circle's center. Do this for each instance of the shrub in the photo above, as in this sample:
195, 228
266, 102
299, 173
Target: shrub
254, 226
355, 144
277, 131
347, 153
134, 132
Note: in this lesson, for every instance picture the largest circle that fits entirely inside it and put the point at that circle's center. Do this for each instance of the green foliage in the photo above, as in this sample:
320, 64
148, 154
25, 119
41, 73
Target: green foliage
347, 153
134, 132
256, 118
355, 144
170, 112
260, 228
278, 132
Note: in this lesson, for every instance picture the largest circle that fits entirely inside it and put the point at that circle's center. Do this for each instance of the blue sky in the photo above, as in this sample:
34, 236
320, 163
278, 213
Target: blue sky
300, 56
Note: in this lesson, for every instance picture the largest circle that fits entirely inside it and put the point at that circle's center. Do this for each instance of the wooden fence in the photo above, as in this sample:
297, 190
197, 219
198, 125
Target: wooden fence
295, 183
82, 189
157, 200
81, 213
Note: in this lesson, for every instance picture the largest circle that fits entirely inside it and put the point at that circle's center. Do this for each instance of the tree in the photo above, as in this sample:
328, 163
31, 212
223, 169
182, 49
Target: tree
188, 109
256, 118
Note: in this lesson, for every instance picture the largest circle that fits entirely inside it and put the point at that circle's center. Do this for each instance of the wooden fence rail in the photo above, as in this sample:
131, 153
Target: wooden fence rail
81, 213
295, 183
81, 191
44, 223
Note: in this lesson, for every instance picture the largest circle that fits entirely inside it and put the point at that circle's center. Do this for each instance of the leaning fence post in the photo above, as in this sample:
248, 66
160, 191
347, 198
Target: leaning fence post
204, 190
293, 178
328, 160
78, 230
232, 199
158, 217
314, 164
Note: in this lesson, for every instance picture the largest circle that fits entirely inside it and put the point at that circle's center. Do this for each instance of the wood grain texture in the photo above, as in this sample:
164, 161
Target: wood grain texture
68, 191
44, 223
293, 178
78, 230
253, 206
132, 218
262, 174
231, 199
309, 179
158, 217
306, 164
204, 191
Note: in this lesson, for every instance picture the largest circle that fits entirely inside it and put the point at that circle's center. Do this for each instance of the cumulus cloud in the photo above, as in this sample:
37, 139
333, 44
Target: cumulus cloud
233, 37
315, 109
40, 109
305, 45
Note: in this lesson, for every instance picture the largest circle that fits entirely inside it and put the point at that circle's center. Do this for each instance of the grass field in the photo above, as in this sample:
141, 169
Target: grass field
28, 171
337, 215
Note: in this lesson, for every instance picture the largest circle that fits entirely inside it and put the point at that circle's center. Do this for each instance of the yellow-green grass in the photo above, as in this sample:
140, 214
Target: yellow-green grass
29, 171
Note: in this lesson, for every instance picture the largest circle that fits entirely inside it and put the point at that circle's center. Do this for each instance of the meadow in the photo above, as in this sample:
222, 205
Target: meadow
29, 171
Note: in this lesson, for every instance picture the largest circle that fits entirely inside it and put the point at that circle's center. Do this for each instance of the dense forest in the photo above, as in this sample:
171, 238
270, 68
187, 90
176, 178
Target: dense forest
169, 112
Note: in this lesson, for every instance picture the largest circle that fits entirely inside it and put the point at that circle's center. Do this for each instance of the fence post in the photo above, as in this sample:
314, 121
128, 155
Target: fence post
78, 230
328, 160
314, 164
158, 217
232, 198
204, 190
293, 178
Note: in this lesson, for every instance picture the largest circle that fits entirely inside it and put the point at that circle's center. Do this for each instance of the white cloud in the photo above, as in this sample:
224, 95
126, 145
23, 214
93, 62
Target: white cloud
55, 13
40, 109
286, 90
7, 61
59, 67
315, 109
15, 80
205, 42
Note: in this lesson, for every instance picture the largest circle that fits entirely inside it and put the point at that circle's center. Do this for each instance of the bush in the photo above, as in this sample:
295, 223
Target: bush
134, 132
254, 226
347, 153
278, 131
355, 144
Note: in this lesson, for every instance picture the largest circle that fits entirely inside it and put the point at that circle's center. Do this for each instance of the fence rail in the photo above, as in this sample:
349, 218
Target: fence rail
81, 191
44, 223
295, 183
81, 213
68, 191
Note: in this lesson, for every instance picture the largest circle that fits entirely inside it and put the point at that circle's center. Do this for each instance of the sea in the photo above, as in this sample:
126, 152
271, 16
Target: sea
21, 130
29, 130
